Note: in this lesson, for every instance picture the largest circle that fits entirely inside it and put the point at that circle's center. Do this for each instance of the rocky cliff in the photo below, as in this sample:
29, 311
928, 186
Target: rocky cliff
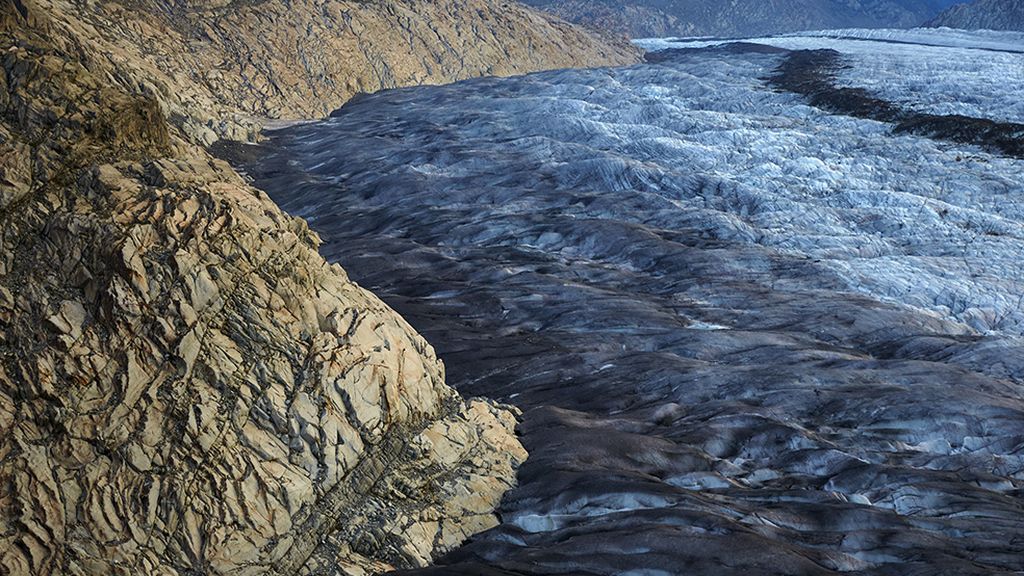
983, 15
218, 67
186, 387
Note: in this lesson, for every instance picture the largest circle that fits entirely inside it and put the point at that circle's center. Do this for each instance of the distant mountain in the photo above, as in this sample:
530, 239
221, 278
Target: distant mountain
984, 14
647, 18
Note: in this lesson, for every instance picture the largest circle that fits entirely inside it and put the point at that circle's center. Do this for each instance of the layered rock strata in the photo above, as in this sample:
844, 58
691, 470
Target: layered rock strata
186, 386
740, 18
983, 14
219, 68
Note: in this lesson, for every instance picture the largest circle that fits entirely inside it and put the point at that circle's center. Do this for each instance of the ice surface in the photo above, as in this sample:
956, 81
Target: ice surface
749, 337
938, 71
1007, 41
976, 39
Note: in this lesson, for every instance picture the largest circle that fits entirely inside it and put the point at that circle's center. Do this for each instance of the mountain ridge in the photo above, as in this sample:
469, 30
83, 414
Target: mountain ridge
188, 386
982, 14
660, 18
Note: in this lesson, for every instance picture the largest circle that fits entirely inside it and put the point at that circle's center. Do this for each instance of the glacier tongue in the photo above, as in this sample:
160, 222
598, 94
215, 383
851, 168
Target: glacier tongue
978, 73
749, 336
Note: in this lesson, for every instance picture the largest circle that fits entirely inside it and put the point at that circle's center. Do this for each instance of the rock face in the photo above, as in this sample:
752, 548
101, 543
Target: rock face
660, 18
220, 67
187, 387
983, 15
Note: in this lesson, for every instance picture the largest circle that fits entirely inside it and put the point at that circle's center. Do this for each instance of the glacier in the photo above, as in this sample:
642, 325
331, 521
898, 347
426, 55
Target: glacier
748, 336
941, 71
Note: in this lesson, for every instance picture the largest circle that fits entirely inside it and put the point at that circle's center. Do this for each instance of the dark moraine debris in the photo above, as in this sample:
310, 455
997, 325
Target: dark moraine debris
673, 54
810, 73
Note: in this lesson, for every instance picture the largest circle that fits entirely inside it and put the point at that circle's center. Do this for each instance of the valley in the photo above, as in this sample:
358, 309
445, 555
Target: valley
748, 334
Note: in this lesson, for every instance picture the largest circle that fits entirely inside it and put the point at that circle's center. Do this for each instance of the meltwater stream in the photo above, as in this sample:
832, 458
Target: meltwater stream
747, 336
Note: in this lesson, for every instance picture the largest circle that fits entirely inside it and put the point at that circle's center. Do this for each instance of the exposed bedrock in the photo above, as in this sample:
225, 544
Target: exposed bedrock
186, 386
741, 18
983, 14
219, 69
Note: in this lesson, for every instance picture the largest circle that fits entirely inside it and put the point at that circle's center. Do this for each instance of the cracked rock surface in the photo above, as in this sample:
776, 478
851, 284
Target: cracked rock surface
186, 386
220, 68
983, 14
736, 18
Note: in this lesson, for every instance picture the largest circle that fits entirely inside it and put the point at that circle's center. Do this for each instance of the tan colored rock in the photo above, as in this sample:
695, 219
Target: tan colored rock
185, 385
219, 69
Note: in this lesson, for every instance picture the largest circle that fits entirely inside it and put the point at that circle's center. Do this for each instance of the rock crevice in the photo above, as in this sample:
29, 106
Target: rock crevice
187, 386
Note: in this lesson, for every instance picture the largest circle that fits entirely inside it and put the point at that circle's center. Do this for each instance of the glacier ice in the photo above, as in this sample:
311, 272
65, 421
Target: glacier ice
748, 336
976, 73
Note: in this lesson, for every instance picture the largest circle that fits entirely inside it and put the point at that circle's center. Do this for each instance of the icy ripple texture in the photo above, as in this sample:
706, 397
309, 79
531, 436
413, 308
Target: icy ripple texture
977, 73
749, 337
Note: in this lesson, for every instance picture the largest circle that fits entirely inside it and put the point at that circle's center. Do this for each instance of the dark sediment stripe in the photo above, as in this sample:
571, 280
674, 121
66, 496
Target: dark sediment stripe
811, 73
